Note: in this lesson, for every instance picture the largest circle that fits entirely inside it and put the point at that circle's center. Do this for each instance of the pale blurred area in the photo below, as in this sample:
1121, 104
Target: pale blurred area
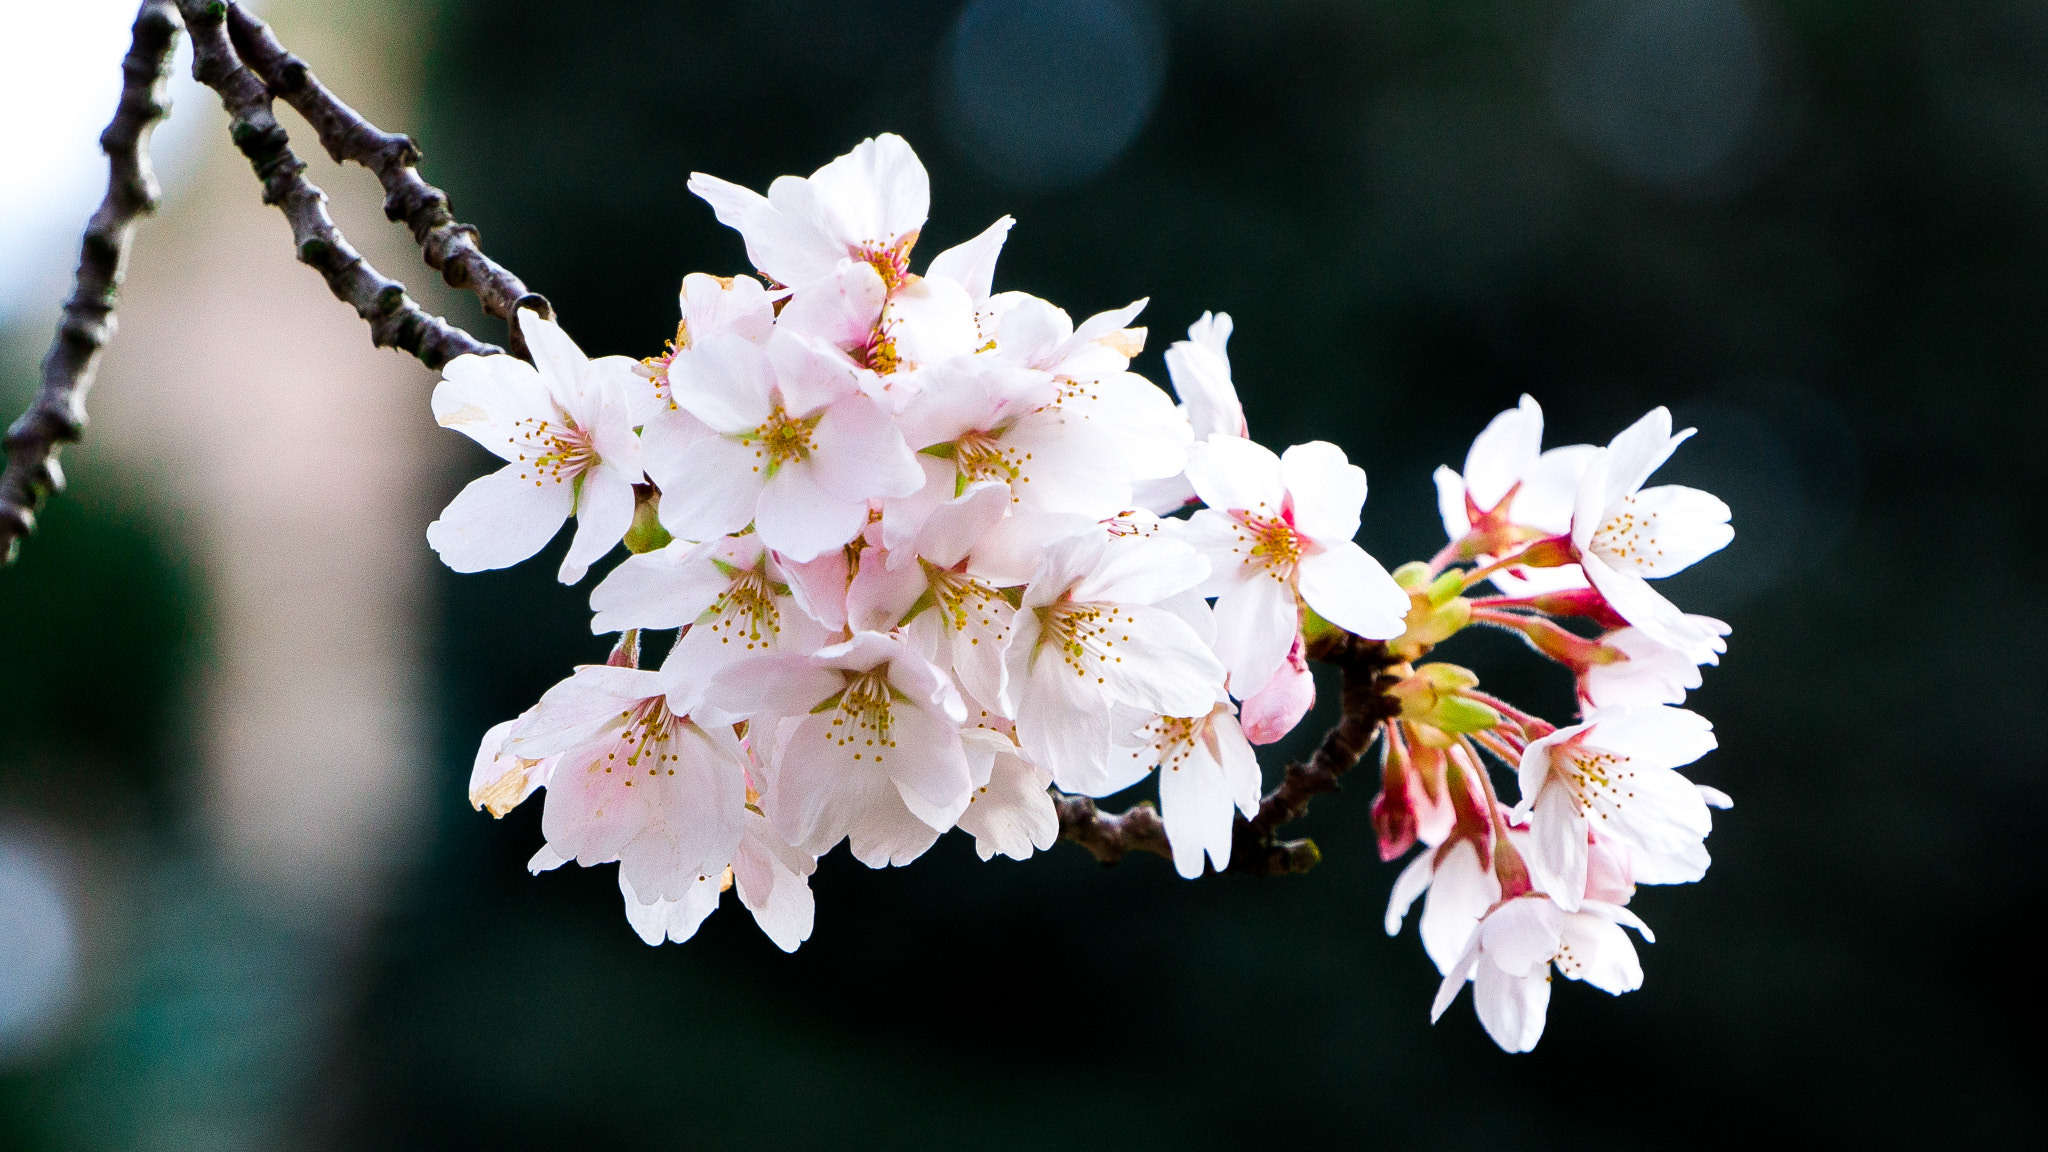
285, 455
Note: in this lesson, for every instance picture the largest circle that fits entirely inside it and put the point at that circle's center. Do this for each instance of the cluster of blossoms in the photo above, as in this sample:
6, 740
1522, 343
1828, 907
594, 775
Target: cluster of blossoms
934, 550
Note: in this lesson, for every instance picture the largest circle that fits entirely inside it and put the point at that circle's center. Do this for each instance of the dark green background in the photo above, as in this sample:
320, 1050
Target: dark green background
1382, 197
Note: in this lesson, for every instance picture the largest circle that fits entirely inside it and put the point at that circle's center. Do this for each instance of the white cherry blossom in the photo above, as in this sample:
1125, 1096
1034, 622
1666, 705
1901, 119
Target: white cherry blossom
867, 205
798, 450
1510, 955
1207, 774
565, 427
1009, 813
928, 589
866, 745
1093, 632
1199, 367
1278, 532
1512, 492
1623, 532
773, 880
1639, 670
636, 778
1615, 773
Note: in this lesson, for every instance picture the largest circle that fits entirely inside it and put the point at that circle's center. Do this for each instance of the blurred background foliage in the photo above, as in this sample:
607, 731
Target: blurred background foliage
1817, 229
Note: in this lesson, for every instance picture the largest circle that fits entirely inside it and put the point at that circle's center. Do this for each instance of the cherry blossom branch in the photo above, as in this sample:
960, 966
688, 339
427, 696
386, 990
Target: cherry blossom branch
395, 320
1256, 848
450, 247
57, 415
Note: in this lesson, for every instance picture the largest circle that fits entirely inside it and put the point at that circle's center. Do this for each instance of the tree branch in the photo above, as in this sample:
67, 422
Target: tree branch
57, 415
449, 246
1255, 848
395, 320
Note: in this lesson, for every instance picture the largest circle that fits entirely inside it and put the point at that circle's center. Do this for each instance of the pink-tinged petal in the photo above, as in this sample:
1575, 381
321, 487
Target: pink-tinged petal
575, 711
860, 455
1154, 436
1324, 490
1009, 813
673, 920
724, 381
1013, 550
799, 519
1236, 475
1032, 331
666, 437
928, 765
1274, 710
719, 306
1143, 570
1347, 587
1065, 729
604, 510
1163, 496
1196, 808
932, 320
819, 587
973, 265
841, 310
560, 361
1639, 450
1200, 370
773, 882
1159, 664
874, 194
1411, 883
740, 209
483, 397
1635, 601
1557, 851
1104, 324
1454, 980
1234, 755
882, 833
955, 527
1256, 625
623, 377
1549, 488
709, 491
500, 519
879, 595
1460, 893
1067, 463
1511, 1008
774, 684
1600, 954
1503, 454
1521, 936
663, 589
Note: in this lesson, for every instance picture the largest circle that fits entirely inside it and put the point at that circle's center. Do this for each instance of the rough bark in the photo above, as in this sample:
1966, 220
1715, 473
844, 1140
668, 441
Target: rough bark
56, 416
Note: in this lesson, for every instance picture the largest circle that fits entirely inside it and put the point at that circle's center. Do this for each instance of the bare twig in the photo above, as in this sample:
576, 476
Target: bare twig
449, 246
57, 415
1255, 847
395, 320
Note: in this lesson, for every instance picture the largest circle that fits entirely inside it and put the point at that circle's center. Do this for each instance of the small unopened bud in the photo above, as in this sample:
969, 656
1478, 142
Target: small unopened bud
647, 534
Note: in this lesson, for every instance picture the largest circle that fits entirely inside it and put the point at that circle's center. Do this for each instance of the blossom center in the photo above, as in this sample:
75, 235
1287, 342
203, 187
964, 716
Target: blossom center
1172, 741
862, 718
1601, 782
780, 439
1085, 635
980, 456
1628, 536
557, 450
961, 599
643, 741
745, 612
657, 366
1267, 542
890, 261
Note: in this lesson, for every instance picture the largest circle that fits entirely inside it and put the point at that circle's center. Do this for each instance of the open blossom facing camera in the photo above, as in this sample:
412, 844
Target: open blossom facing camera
908, 532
